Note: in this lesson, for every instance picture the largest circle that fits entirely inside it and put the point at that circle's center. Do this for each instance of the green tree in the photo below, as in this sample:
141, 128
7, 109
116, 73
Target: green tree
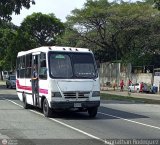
12, 40
44, 29
6, 37
70, 37
117, 30
157, 4
7, 7
134, 27
91, 23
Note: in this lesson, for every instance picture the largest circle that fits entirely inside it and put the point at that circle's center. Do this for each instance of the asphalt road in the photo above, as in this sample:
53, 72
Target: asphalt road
118, 122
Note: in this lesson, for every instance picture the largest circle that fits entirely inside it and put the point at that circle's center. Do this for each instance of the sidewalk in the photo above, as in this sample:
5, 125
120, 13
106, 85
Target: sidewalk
135, 95
2, 82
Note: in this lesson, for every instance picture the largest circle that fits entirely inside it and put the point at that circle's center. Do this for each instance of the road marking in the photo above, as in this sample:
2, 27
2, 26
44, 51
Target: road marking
14, 102
64, 124
140, 123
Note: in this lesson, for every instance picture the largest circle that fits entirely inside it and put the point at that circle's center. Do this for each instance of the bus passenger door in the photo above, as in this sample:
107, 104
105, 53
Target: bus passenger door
35, 82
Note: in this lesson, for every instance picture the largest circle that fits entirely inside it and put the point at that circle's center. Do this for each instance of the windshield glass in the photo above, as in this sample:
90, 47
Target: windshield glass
71, 65
60, 66
13, 77
5, 73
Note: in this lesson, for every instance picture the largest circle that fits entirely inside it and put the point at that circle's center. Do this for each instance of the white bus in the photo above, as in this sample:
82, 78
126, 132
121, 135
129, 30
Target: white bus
67, 79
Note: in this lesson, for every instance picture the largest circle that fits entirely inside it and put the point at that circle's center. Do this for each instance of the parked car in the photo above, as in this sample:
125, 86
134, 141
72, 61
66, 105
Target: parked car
147, 88
136, 88
11, 81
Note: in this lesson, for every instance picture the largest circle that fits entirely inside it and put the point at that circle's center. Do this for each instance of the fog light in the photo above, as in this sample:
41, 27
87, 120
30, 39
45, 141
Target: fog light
96, 94
56, 94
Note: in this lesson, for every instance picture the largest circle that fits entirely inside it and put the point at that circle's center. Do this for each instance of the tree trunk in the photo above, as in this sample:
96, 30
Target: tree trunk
1, 77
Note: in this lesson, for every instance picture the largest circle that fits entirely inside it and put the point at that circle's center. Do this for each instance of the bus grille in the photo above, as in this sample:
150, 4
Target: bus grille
70, 95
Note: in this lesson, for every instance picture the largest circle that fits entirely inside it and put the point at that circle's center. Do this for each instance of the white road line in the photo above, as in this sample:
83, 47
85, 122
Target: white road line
140, 123
64, 124
14, 102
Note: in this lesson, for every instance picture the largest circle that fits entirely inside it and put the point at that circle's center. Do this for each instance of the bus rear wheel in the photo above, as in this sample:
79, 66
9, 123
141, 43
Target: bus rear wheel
46, 109
92, 112
25, 105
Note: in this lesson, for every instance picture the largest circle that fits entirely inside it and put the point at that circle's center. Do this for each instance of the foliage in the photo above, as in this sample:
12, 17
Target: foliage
69, 38
125, 31
11, 42
6, 37
36, 30
91, 23
157, 4
44, 29
7, 7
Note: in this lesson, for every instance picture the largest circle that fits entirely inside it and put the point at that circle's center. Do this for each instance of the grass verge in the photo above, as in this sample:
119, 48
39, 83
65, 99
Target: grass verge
128, 98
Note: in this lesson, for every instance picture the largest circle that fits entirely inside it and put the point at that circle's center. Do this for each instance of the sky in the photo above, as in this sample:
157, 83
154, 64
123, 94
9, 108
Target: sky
61, 8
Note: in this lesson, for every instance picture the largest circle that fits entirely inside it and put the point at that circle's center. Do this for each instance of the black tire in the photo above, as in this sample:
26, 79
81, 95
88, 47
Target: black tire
92, 112
9, 86
47, 111
25, 105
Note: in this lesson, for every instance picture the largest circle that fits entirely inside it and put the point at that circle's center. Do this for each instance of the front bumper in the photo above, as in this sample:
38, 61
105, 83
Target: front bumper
69, 105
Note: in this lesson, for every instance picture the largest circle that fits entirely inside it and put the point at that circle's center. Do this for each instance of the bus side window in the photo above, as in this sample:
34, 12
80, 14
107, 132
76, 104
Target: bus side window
28, 65
22, 67
43, 69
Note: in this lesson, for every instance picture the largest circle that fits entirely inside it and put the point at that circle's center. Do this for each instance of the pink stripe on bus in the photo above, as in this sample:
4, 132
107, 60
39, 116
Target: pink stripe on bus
29, 88
43, 91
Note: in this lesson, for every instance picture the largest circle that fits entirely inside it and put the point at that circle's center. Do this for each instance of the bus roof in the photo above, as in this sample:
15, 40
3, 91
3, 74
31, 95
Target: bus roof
54, 48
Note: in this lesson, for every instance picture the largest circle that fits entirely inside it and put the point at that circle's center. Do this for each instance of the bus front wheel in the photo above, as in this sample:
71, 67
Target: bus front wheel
92, 112
46, 109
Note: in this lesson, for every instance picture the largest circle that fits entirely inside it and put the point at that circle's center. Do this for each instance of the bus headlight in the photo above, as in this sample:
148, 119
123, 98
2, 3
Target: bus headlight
56, 94
96, 94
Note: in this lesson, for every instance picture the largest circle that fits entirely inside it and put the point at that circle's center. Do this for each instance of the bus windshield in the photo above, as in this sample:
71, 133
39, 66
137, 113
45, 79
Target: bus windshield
71, 65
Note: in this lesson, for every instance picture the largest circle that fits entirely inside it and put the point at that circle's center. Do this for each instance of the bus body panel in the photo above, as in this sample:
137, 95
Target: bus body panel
75, 85
73, 91
24, 86
20, 96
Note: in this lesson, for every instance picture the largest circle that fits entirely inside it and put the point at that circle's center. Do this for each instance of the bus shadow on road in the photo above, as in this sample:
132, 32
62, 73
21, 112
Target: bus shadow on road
66, 114
104, 113
110, 113
8, 97
72, 115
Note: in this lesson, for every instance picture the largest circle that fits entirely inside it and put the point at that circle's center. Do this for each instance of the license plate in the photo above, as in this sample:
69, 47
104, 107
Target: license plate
77, 105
